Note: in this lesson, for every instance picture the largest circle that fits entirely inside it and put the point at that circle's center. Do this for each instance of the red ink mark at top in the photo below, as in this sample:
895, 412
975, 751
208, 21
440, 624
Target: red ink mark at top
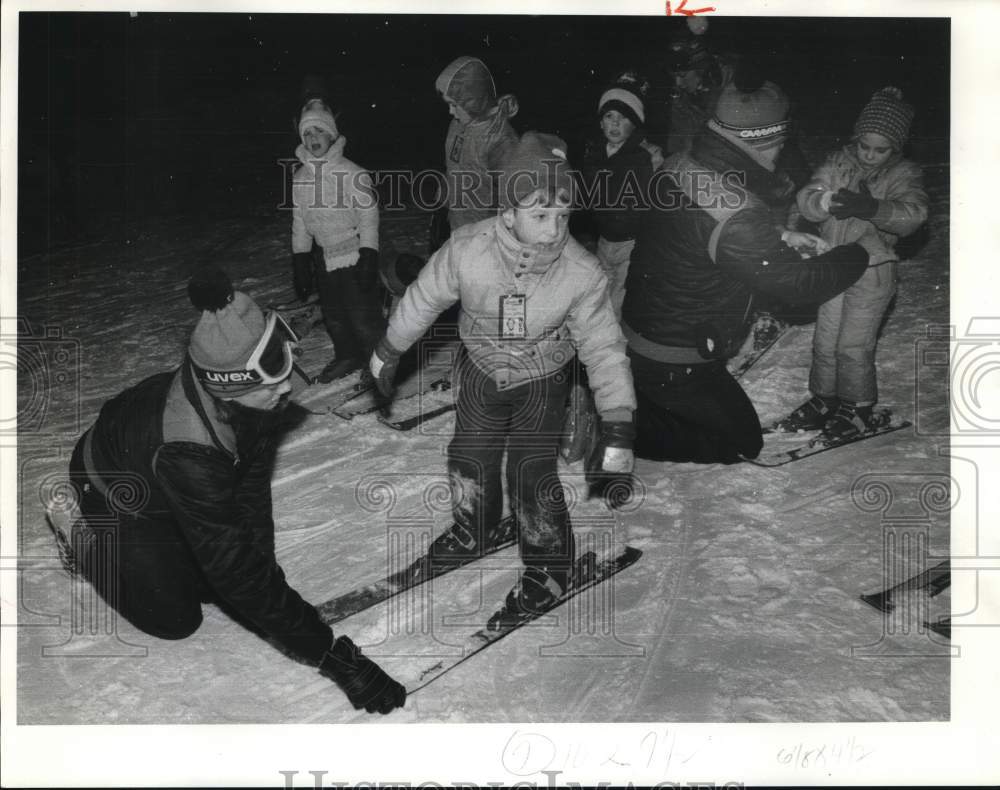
686, 11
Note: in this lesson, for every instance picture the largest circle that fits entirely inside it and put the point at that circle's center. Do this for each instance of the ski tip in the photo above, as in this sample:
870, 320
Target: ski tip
631, 554
942, 627
878, 601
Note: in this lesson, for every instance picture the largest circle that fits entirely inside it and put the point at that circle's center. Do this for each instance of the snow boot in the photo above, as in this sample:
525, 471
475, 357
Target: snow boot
812, 415
337, 369
847, 422
537, 591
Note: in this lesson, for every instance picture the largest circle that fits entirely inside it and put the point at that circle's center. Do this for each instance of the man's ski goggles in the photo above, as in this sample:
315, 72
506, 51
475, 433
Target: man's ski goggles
270, 362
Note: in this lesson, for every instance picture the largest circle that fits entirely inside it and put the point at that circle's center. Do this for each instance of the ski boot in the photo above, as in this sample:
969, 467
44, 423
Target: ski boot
812, 415
849, 421
537, 591
454, 547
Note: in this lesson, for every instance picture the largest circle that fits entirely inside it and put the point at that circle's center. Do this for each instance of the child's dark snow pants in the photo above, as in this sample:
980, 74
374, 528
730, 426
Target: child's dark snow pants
526, 420
353, 318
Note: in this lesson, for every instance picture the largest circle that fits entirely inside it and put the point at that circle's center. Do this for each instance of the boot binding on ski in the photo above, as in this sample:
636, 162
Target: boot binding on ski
849, 421
812, 415
452, 548
537, 591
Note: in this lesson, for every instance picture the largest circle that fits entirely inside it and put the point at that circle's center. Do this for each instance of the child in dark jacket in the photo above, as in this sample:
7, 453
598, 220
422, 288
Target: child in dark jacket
866, 190
617, 171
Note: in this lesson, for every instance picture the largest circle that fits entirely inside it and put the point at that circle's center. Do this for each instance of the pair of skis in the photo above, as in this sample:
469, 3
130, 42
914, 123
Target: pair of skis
795, 446
805, 444
588, 572
361, 397
367, 400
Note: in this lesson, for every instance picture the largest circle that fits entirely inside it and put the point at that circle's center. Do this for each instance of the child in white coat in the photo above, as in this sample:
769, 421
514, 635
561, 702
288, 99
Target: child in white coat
335, 206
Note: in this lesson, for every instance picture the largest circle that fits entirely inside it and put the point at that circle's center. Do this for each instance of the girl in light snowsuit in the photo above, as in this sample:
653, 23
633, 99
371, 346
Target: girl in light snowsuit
866, 190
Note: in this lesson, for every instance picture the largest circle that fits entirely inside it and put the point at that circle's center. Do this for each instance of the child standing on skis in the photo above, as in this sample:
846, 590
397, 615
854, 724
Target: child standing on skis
619, 168
529, 293
335, 205
865, 190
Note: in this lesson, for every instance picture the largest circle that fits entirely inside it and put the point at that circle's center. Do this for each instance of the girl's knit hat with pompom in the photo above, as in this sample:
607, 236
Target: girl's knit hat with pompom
888, 115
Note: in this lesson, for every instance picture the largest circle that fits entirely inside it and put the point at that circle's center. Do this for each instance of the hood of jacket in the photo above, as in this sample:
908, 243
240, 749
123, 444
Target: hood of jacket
469, 83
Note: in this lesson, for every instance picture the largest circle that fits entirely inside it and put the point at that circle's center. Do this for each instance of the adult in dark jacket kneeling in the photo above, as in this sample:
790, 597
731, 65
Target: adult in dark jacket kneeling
708, 245
174, 492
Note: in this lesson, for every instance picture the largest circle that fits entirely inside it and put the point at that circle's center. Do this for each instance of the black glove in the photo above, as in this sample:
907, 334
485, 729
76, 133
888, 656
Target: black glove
302, 275
614, 484
847, 203
363, 681
366, 269
383, 365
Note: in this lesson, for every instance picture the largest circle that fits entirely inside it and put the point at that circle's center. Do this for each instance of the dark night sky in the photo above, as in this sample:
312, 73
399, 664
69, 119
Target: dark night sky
165, 113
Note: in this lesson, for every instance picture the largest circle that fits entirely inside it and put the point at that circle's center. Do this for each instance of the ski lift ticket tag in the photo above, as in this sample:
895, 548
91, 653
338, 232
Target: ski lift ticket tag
512, 319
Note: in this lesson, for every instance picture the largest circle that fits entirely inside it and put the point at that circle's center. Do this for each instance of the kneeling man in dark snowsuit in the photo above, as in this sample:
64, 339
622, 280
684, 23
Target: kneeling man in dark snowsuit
708, 245
179, 467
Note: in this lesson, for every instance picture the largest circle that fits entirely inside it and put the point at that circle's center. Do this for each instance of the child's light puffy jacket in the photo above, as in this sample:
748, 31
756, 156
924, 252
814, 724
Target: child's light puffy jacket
339, 210
897, 185
566, 304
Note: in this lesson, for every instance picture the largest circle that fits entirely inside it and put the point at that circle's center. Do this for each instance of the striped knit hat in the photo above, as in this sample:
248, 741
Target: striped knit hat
625, 96
888, 115
757, 119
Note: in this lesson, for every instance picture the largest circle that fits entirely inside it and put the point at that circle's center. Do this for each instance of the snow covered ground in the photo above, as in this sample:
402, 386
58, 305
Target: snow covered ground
743, 608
